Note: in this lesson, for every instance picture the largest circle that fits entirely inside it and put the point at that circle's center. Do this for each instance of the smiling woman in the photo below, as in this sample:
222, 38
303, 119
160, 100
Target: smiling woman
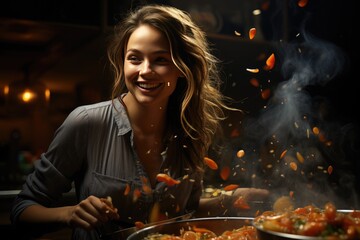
165, 110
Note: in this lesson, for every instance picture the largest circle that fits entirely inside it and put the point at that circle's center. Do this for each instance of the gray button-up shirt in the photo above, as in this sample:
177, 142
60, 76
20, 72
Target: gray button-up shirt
93, 149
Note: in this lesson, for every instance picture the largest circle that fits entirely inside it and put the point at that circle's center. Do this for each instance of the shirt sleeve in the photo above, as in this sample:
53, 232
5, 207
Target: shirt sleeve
55, 170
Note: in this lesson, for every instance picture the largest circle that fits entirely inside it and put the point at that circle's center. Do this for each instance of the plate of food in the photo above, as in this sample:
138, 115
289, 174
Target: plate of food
309, 222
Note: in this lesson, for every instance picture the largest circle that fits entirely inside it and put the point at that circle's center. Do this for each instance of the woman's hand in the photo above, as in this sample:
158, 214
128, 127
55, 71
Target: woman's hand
238, 203
243, 199
251, 194
91, 212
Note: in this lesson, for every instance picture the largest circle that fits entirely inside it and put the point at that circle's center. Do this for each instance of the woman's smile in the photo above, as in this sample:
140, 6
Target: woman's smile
149, 86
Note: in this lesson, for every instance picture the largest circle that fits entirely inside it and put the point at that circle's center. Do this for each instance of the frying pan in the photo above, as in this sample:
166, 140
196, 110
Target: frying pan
271, 235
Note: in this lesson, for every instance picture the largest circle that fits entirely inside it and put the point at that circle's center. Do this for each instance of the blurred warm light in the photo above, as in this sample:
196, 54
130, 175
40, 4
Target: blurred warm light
28, 96
28, 91
6, 90
47, 95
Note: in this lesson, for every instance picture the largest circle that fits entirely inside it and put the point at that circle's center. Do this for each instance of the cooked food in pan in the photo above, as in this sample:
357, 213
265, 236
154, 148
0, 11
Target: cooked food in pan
195, 233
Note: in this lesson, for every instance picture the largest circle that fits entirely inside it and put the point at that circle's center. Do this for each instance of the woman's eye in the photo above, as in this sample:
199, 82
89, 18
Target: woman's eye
133, 59
162, 60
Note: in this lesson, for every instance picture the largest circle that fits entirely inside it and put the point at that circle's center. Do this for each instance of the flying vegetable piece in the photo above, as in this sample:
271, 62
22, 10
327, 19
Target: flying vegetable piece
136, 194
265, 94
302, 3
241, 203
231, 187
291, 194
330, 169
225, 173
240, 153
210, 163
162, 177
234, 133
139, 225
254, 82
252, 70
252, 33
300, 157
316, 130
201, 230
282, 155
127, 189
270, 62
145, 185
293, 166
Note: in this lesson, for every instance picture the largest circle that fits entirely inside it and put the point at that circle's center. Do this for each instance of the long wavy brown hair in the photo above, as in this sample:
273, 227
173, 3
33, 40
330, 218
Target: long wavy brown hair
196, 107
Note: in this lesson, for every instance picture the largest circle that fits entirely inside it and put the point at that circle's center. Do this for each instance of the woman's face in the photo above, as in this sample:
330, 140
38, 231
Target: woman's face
150, 74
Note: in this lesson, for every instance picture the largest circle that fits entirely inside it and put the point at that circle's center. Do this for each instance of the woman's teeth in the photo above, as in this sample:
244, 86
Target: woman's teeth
149, 85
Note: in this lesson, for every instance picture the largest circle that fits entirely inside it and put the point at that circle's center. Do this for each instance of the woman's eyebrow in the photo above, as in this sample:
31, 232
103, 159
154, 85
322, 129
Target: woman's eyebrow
155, 52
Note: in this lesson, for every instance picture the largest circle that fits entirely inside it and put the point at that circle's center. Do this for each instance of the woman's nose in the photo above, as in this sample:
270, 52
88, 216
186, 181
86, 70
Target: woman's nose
146, 68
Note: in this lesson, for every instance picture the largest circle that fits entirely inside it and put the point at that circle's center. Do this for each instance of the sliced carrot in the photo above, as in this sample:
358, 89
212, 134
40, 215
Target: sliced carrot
330, 169
265, 5
201, 230
162, 177
241, 203
147, 189
293, 166
235, 133
282, 155
254, 82
136, 194
270, 62
316, 130
127, 189
225, 173
302, 3
145, 185
240, 153
322, 137
231, 187
265, 94
210, 163
252, 70
299, 157
291, 194
139, 225
252, 33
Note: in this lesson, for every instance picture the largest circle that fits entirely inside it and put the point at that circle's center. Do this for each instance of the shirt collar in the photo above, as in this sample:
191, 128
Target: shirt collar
121, 117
